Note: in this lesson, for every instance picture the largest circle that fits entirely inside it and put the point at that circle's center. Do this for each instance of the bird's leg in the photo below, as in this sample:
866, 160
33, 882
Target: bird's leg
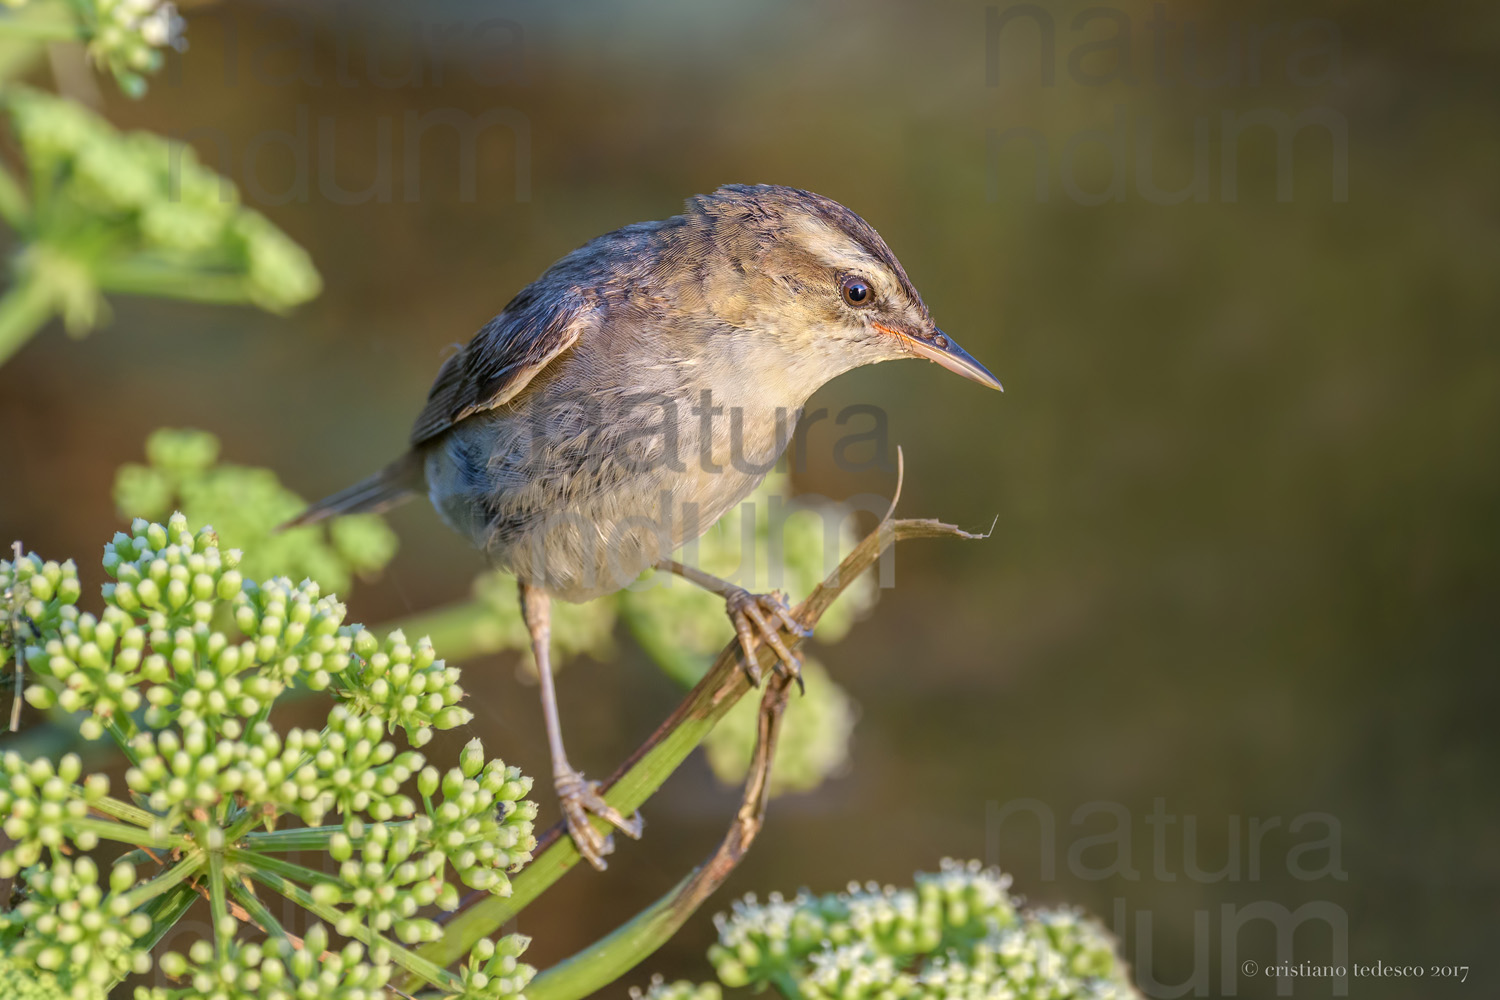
578, 796
756, 618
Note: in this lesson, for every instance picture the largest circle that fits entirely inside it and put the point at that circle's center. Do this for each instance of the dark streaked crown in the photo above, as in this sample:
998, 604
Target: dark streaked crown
774, 201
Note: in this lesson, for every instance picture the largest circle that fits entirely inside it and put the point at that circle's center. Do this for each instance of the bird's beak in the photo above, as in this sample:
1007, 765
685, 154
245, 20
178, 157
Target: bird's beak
938, 346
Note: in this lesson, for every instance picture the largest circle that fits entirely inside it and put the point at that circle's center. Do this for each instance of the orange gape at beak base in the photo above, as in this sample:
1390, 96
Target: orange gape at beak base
945, 351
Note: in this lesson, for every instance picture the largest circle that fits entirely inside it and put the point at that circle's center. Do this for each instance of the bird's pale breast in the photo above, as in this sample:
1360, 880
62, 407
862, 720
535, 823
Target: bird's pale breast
624, 449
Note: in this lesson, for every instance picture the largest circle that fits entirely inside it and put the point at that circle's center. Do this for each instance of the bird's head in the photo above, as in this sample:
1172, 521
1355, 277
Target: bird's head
804, 270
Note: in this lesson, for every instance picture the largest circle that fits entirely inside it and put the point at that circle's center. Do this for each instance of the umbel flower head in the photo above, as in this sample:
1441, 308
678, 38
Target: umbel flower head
955, 933
64, 922
133, 213
182, 667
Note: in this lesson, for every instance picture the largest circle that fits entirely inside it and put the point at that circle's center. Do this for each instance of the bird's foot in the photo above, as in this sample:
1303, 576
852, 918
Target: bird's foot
761, 618
580, 799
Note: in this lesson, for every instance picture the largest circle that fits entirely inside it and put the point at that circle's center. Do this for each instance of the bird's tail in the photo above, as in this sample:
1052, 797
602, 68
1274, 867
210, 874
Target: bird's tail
388, 487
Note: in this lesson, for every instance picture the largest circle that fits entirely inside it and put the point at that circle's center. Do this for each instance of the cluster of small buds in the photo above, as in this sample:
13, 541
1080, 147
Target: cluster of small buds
960, 925
35, 596
294, 629
177, 774
168, 575
158, 630
968, 900
177, 581
755, 938
96, 662
1087, 950
384, 881
494, 970
66, 925
893, 921
853, 972
946, 976
22, 980
277, 773
127, 36
208, 761
484, 823
403, 685
272, 970
40, 803
181, 773
278, 272
307, 773
1054, 955
197, 675
387, 883
681, 989
360, 771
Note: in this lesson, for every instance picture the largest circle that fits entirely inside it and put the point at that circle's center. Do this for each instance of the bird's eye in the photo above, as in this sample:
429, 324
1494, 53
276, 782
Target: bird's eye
856, 292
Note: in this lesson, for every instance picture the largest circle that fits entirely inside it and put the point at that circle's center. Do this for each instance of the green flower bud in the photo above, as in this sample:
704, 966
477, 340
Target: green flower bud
471, 760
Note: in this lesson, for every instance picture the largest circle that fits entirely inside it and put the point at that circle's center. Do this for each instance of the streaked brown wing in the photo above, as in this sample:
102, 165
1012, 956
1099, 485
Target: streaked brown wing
502, 358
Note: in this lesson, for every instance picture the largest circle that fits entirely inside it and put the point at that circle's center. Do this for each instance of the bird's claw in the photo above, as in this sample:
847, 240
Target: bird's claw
761, 618
580, 799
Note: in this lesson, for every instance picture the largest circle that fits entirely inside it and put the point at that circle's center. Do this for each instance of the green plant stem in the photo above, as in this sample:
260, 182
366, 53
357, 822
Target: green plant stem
240, 825
218, 893
613, 955
309, 838
116, 809
278, 867
23, 311
408, 960
190, 865
643, 775
165, 910
135, 276
168, 904
257, 910
635, 781
120, 732
126, 834
622, 950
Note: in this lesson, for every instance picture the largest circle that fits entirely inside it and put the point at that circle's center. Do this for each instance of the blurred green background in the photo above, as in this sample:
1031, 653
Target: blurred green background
1244, 470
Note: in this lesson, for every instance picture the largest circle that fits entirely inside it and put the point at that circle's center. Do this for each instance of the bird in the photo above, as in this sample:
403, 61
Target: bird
638, 390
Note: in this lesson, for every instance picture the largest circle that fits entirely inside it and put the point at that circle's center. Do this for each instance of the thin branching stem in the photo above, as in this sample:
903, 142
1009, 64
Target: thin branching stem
645, 770
308, 838
190, 865
116, 809
257, 912
126, 834
626, 947
165, 910
276, 866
